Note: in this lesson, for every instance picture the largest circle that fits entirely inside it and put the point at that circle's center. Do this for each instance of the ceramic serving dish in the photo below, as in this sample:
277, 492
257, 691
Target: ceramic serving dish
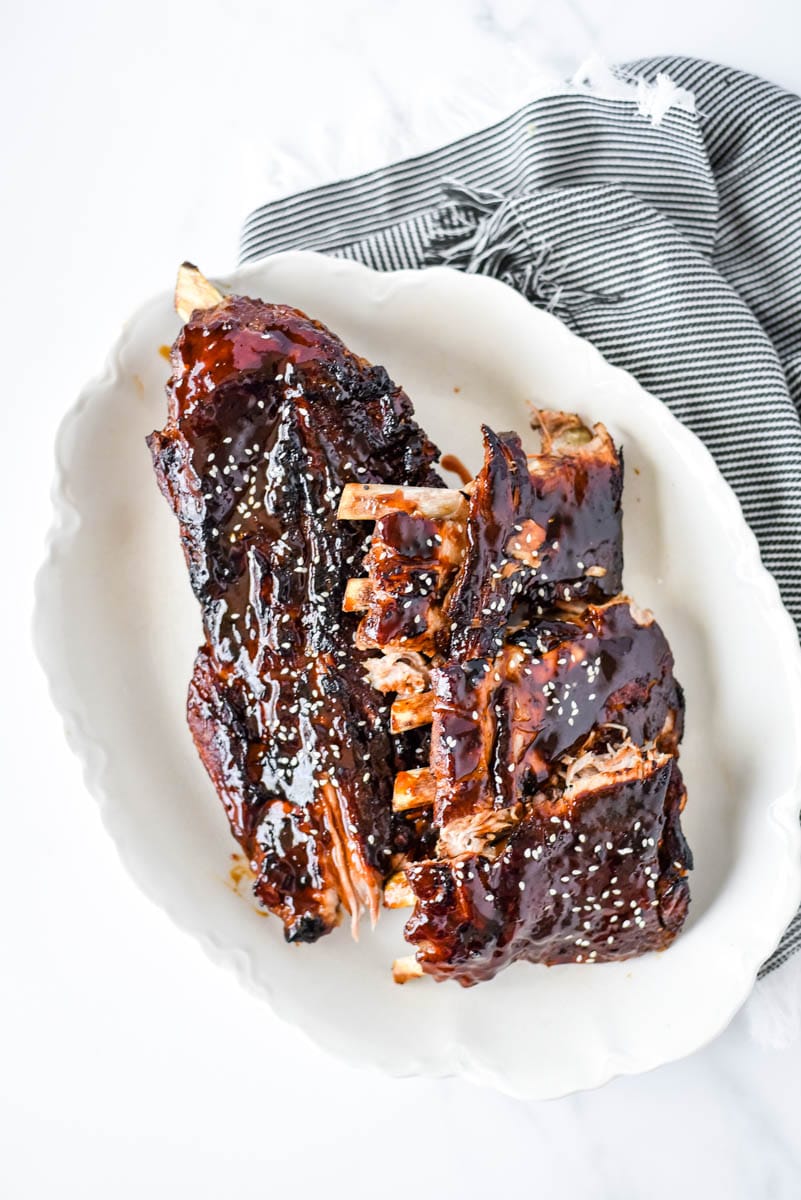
117, 628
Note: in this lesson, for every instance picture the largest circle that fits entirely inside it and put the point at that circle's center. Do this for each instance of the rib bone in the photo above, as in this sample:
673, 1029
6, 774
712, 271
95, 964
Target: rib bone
397, 893
358, 594
413, 789
193, 291
370, 501
410, 712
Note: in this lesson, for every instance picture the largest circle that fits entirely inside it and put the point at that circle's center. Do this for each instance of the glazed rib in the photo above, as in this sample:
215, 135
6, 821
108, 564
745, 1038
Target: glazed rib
587, 875
269, 417
454, 704
552, 785
535, 530
555, 792
499, 723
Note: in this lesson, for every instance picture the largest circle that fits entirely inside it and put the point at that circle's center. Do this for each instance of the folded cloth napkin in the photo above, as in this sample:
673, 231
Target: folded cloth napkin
656, 209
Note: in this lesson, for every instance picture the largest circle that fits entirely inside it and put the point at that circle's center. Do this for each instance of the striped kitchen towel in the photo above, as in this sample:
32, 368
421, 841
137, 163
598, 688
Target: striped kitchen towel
656, 209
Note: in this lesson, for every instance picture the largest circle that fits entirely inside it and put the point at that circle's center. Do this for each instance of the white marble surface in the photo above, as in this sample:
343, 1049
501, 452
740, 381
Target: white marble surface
137, 135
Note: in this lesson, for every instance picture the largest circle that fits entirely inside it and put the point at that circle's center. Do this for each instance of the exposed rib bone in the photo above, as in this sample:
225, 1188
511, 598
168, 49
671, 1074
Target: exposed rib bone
413, 789
560, 430
406, 968
397, 893
370, 501
410, 712
193, 291
358, 594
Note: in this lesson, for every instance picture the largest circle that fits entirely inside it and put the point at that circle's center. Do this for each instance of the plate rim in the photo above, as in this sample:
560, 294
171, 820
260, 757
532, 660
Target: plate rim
453, 1060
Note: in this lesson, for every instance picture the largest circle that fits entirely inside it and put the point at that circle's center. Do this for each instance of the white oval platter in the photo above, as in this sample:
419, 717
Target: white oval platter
117, 629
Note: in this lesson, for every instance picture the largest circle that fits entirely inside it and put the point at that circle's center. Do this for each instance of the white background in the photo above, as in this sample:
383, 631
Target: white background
135, 136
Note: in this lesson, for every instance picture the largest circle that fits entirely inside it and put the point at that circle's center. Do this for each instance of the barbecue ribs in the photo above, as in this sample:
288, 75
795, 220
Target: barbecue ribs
454, 706
445, 571
269, 416
552, 784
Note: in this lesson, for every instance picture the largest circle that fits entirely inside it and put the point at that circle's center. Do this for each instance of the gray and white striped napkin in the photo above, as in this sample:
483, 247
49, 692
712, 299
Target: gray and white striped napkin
660, 217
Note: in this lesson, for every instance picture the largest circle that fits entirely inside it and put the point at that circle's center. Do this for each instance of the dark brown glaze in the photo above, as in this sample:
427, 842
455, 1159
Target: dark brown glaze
552, 788
591, 875
409, 567
269, 415
450, 462
500, 723
541, 529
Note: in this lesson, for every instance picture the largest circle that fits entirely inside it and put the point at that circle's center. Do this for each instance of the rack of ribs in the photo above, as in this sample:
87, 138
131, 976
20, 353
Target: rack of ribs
269, 417
455, 708
552, 786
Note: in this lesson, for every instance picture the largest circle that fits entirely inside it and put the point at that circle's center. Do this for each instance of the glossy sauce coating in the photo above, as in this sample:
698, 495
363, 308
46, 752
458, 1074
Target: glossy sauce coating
501, 723
600, 879
534, 678
269, 416
450, 462
540, 529
409, 576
